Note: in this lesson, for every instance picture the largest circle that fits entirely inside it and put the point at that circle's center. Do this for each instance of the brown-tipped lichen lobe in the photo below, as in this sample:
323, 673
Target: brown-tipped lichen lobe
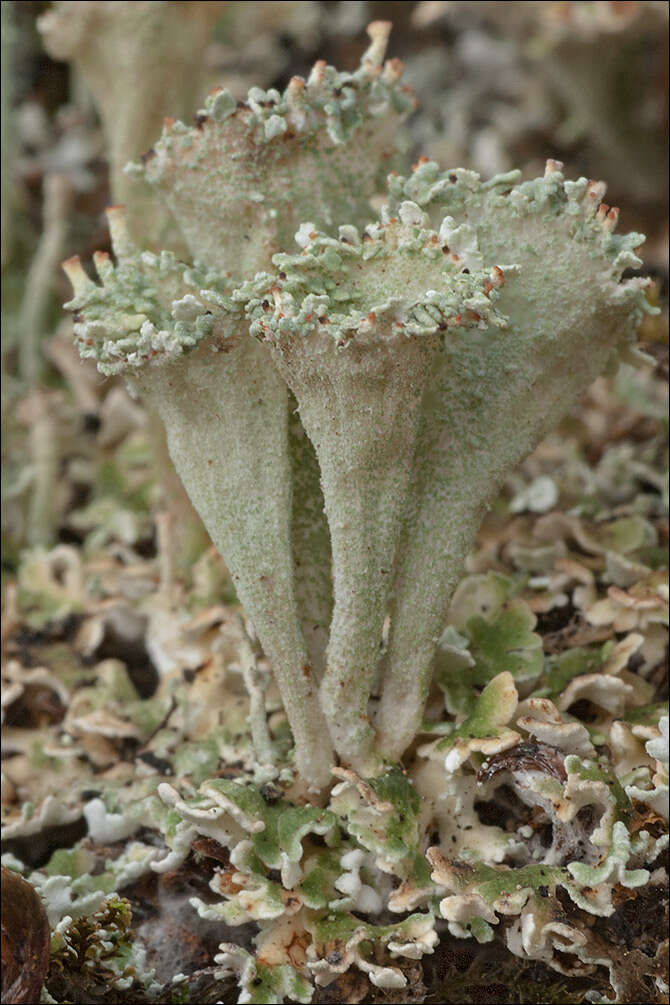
279, 158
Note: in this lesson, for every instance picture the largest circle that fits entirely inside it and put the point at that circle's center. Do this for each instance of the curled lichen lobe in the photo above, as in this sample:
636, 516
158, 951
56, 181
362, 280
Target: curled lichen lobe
391, 281
329, 102
146, 308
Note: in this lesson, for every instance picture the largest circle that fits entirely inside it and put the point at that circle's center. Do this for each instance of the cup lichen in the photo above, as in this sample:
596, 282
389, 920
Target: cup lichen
428, 354
341, 416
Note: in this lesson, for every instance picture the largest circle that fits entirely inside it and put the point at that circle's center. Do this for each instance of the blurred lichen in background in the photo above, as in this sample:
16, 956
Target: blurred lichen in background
148, 790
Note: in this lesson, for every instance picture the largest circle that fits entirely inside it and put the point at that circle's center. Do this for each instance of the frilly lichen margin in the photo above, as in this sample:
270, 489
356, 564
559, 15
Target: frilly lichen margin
148, 308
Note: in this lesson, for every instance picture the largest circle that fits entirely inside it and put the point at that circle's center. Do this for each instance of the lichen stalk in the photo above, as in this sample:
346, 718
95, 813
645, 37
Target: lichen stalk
231, 454
493, 399
56, 202
224, 413
310, 538
354, 416
354, 330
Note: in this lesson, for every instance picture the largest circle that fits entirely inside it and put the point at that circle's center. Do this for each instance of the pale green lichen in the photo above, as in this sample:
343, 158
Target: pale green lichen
427, 352
481, 892
489, 632
471, 390
149, 308
246, 473
320, 886
400, 363
243, 180
261, 984
383, 815
141, 61
484, 729
348, 308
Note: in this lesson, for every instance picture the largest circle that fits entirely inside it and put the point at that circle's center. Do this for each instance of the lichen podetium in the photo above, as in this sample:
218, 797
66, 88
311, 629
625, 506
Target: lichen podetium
429, 352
